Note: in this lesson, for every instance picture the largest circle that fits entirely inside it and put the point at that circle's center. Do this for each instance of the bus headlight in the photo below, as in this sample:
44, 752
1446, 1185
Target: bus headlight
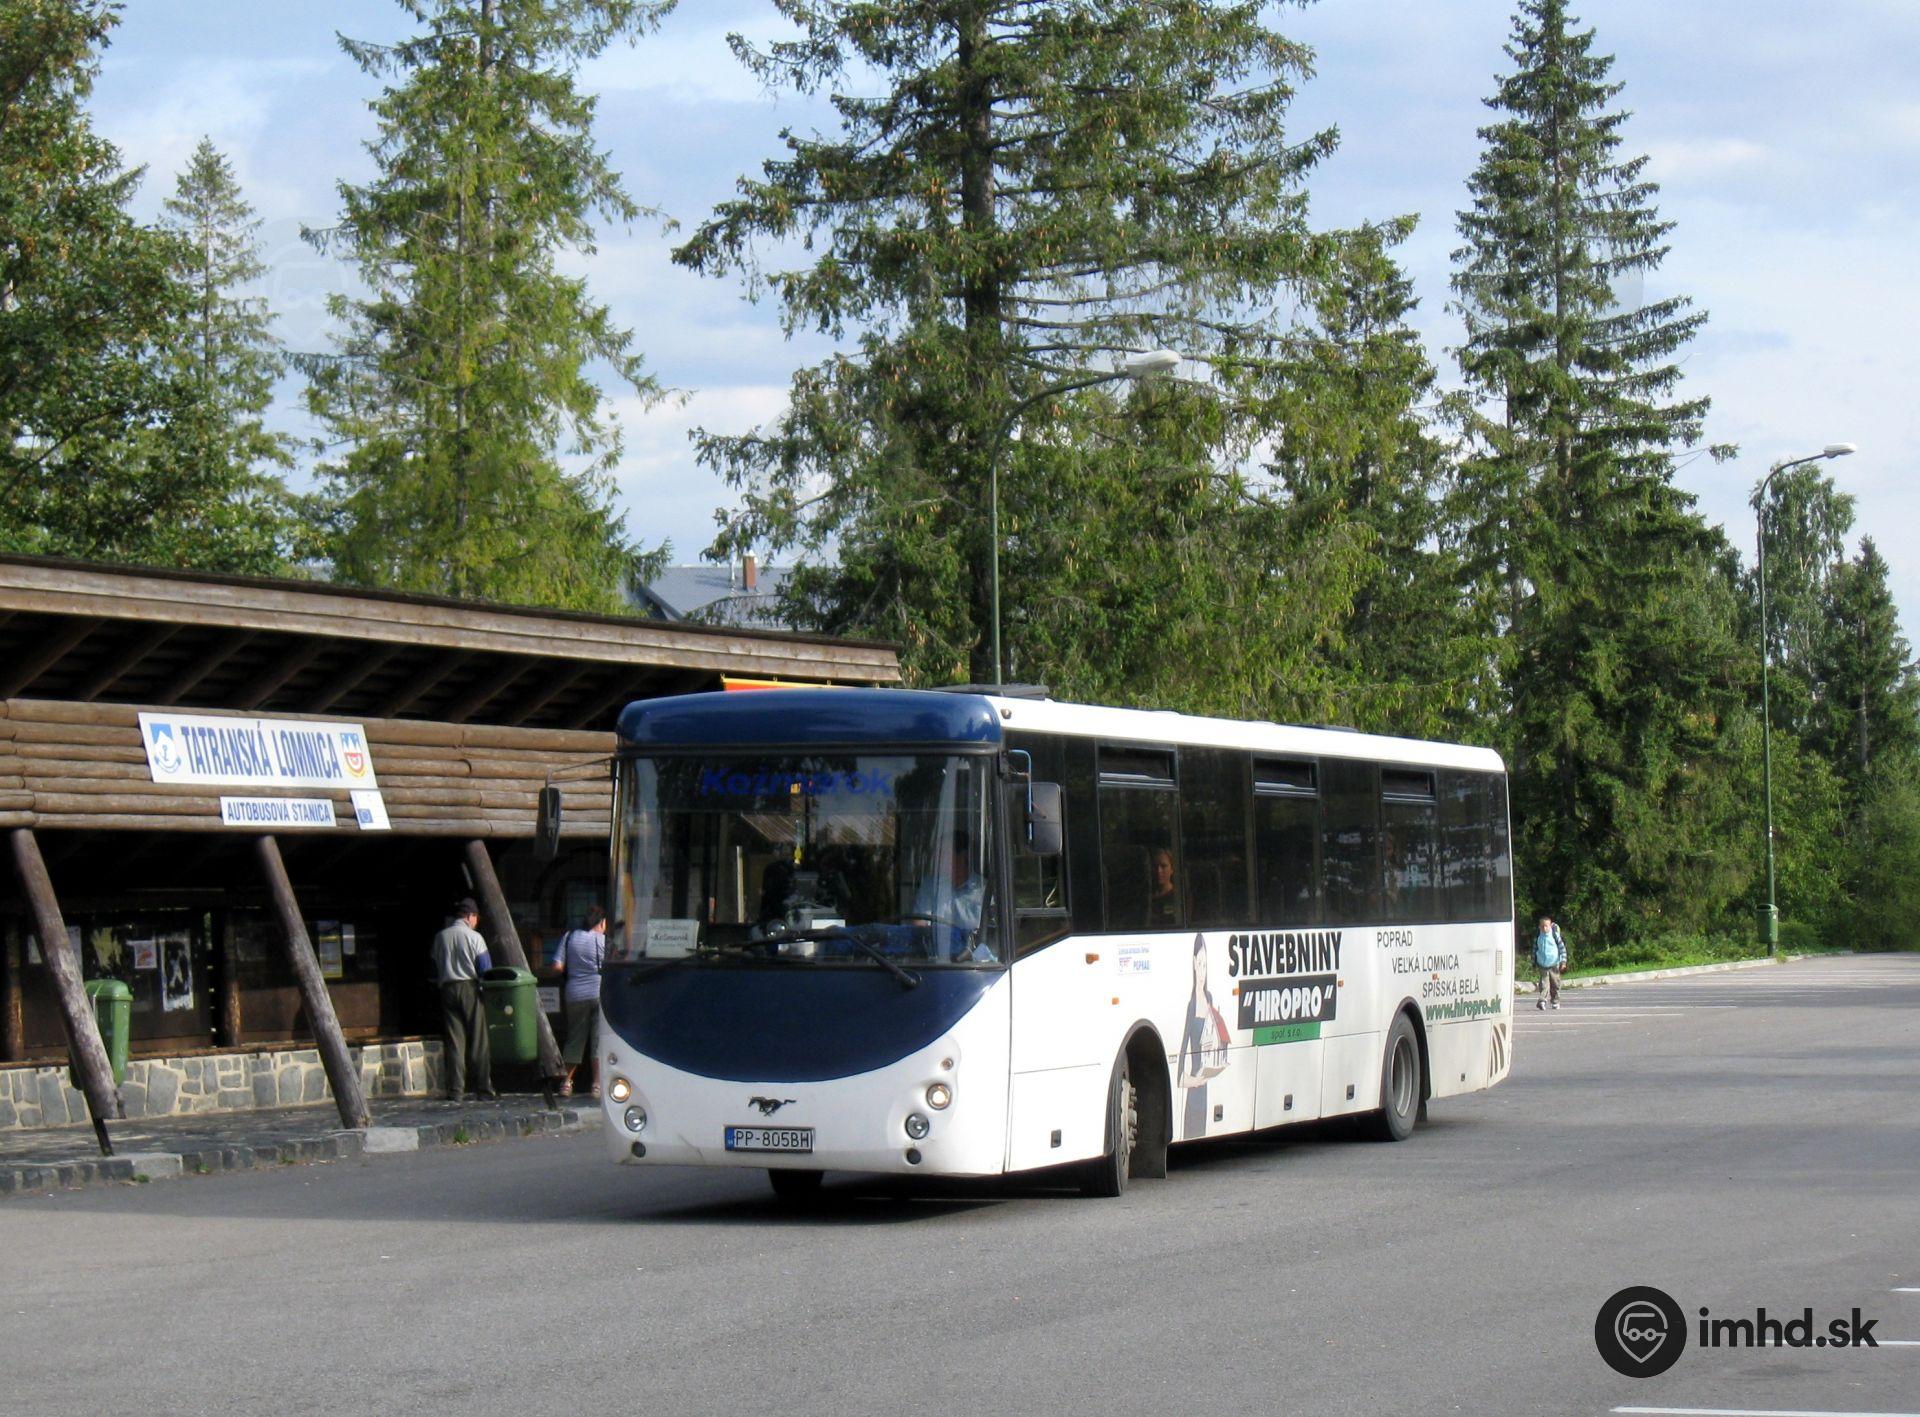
939, 1097
636, 1119
619, 1090
918, 1126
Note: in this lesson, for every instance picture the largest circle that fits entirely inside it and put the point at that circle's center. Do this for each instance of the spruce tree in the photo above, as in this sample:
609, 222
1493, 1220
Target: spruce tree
475, 446
1357, 449
1620, 658
90, 307
231, 359
1036, 189
1868, 714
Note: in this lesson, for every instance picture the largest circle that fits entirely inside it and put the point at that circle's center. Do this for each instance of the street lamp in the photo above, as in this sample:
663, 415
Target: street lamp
1832, 450
1136, 367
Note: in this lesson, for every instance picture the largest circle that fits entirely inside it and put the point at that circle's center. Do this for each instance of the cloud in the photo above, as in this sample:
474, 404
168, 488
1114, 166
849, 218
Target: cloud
157, 115
664, 491
1696, 159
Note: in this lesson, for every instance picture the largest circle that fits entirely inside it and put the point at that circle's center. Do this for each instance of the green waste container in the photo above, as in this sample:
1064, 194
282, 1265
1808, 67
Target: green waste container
113, 1010
513, 1014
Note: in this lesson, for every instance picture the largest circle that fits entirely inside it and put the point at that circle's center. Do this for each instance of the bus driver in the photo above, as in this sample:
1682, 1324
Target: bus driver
955, 900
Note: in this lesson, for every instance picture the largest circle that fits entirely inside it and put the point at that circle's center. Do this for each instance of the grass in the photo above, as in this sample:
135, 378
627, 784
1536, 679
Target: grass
1670, 952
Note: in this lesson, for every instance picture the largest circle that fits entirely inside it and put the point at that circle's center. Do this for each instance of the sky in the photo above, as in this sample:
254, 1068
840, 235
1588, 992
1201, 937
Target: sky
1785, 137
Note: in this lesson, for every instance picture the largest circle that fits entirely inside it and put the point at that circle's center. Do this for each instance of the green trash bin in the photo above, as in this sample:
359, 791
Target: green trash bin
113, 1010
513, 1014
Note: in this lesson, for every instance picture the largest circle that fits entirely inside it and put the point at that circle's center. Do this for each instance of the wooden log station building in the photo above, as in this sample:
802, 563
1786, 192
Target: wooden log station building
253, 801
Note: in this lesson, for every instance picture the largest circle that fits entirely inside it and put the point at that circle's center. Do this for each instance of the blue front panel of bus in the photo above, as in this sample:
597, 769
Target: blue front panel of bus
785, 1023
801, 718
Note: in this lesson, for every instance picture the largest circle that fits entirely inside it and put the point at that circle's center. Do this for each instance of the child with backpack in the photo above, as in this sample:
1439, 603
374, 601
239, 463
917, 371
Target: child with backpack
1550, 953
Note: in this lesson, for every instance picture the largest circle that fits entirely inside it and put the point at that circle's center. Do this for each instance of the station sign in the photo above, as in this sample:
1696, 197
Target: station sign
203, 750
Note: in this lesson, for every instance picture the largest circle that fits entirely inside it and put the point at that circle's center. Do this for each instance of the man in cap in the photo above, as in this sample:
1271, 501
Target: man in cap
459, 959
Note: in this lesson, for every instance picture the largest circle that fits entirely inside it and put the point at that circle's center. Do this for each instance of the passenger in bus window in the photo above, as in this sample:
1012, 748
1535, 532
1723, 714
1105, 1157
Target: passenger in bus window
1163, 897
955, 900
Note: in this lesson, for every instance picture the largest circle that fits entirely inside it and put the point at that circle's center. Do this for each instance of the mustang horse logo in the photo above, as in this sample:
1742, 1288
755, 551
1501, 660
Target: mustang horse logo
768, 1105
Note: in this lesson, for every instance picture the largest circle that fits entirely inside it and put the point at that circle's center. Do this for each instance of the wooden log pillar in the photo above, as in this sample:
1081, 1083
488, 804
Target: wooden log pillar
226, 1012
13, 1014
341, 1074
505, 940
76, 1012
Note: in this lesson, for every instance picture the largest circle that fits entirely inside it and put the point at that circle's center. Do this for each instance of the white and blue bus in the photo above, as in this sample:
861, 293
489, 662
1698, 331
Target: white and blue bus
968, 934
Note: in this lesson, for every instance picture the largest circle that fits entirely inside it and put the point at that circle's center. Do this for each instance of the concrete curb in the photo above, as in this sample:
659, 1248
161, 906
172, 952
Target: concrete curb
1642, 975
20, 1178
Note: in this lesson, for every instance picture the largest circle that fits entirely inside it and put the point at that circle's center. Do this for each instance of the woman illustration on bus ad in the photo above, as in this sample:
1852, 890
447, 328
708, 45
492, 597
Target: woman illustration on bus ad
1203, 1046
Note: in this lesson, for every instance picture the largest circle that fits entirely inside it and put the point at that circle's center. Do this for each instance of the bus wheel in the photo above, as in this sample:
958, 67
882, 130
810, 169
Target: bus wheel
1108, 1175
1401, 1092
795, 1186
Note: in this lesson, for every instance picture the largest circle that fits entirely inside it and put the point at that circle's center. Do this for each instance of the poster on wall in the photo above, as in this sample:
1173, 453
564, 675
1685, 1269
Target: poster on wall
146, 954
176, 972
327, 948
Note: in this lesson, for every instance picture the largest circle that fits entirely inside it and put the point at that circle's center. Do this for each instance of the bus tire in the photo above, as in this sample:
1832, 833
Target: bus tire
1107, 1175
794, 1187
1402, 1088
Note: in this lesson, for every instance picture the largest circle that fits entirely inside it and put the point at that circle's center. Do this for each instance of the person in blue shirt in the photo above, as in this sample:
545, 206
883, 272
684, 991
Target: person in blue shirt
581, 958
953, 903
1550, 953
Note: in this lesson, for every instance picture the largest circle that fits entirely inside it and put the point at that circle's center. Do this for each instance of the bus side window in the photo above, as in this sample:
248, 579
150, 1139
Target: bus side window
1349, 843
1139, 839
1466, 841
1213, 822
1499, 855
1040, 898
1407, 820
1286, 832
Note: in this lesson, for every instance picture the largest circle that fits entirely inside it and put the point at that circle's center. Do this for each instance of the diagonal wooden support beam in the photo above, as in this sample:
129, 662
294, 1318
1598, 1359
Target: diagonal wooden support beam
341, 1074
624, 692
429, 679
146, 639
504, 937
353, 677
298, 657
200, 666
37, 661
486, 690
557, 681
76, 1012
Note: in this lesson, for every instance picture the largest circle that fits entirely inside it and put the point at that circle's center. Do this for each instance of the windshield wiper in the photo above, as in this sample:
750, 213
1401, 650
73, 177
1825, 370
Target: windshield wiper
908, 979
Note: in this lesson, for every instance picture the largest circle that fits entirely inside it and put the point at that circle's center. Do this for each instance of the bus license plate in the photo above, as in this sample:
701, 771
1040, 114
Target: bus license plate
769, 1138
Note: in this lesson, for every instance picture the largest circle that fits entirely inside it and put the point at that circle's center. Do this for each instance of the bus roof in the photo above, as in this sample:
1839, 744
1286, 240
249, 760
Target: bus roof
1252, 735
807, 717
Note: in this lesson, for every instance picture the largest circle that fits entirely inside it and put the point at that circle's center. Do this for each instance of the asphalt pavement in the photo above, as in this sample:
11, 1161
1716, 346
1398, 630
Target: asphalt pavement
1735, 1140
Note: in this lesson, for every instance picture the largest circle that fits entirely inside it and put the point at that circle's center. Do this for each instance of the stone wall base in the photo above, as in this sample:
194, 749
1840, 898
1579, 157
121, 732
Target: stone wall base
222, 1082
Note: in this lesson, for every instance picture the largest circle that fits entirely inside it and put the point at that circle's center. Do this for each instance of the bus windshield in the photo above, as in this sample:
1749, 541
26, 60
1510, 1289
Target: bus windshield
832, 858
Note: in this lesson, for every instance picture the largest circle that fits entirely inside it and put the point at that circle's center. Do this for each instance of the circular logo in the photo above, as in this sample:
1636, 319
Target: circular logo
1640, 1331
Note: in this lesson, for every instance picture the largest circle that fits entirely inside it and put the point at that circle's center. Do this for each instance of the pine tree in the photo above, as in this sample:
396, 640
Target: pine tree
231, 359
1038, 188
476, 445
1620, 657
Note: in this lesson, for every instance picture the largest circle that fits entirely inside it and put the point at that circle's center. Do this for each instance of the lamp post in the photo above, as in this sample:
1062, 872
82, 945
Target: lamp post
1771, 925
1135, 367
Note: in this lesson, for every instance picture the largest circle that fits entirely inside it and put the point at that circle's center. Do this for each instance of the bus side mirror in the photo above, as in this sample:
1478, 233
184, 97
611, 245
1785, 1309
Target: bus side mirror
546, 832
1046, 819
